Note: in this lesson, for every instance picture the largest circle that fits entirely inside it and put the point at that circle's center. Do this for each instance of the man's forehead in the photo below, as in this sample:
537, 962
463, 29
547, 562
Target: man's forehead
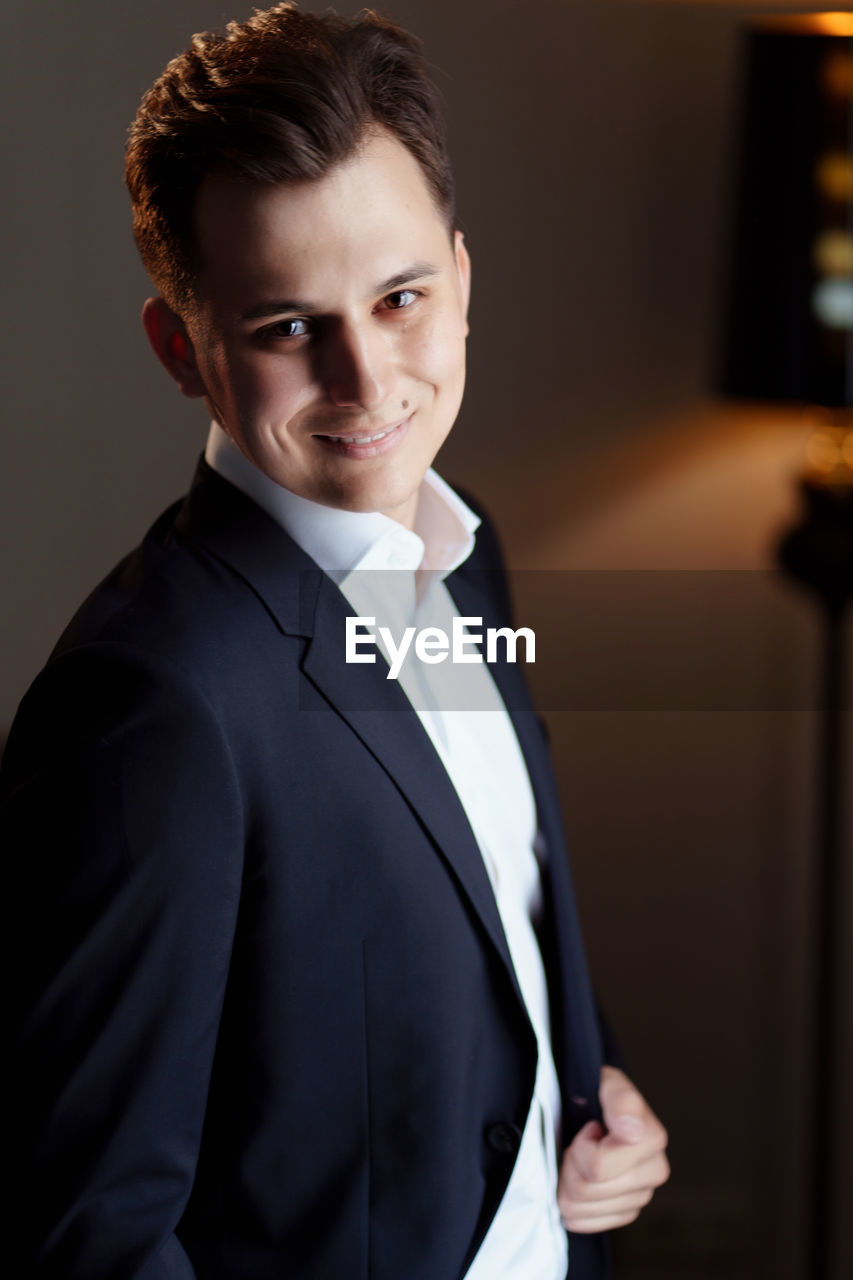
367, 225
259, 285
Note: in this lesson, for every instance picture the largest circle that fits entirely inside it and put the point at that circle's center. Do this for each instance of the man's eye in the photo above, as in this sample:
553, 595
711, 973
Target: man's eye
287, 329
402, 298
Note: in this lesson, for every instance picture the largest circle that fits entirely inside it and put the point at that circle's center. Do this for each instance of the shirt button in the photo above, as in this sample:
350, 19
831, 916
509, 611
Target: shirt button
504, 1138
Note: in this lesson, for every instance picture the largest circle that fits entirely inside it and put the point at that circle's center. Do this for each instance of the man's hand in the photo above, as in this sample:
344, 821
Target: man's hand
609, 1174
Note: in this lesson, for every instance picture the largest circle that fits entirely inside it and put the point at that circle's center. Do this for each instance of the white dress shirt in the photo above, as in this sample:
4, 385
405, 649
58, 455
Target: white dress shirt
480, 752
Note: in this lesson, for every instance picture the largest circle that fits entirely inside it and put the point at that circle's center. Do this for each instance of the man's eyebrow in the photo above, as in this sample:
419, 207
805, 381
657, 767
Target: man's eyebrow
288, 306
417, 271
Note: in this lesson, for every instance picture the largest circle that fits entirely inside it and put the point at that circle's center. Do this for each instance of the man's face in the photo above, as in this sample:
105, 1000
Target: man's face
331, 312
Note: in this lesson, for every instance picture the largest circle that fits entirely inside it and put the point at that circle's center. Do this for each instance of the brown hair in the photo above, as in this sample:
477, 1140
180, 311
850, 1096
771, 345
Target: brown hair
279, 98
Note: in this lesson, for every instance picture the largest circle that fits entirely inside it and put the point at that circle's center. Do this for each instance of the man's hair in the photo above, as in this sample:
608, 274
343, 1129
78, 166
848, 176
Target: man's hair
280, 98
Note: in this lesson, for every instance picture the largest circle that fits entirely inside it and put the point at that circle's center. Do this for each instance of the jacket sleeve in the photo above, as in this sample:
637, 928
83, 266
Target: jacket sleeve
121, 850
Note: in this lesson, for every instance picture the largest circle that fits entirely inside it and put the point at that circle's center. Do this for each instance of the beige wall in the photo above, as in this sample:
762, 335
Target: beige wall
593, 143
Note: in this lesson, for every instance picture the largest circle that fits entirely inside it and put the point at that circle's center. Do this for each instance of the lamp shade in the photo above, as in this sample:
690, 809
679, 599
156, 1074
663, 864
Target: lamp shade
789, 326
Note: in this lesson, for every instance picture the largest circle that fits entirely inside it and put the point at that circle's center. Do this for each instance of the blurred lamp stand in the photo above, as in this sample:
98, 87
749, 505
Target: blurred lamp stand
818, 553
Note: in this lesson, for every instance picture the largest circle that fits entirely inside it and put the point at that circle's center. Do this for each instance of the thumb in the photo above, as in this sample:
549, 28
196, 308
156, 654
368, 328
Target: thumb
623, 1106
580, 1153
592, 1132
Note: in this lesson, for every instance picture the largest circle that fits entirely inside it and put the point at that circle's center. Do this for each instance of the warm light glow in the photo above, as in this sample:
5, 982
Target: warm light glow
823, 451
834, 175
829, 451
833, 253
808, 24
836, 74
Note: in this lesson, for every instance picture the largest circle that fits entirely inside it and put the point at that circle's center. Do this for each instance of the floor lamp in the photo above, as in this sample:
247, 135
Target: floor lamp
790, 338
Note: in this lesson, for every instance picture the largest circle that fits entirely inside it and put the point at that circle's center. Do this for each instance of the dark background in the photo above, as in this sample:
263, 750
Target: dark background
594, 142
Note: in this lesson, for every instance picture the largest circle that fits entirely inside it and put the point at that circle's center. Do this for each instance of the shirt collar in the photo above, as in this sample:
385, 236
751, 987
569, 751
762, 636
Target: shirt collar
341, 542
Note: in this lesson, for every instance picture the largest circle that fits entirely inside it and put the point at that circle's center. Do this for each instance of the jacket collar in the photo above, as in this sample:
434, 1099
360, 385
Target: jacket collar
235, 530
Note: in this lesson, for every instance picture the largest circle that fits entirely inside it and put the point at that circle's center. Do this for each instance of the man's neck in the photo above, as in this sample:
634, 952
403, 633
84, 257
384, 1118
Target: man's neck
406, 513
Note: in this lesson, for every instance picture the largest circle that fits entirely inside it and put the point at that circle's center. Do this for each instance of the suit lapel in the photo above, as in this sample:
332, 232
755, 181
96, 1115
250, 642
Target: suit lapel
379, 712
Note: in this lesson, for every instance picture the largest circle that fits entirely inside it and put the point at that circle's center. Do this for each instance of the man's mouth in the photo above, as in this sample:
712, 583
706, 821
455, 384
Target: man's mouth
361, 439
367, 444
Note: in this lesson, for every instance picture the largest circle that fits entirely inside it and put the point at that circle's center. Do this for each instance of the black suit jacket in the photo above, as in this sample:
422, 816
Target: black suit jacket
264, 1024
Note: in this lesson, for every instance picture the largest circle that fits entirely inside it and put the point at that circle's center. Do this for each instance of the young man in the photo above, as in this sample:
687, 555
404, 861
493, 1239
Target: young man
298, 981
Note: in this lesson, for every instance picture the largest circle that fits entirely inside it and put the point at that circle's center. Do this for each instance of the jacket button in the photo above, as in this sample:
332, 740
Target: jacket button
504, 1138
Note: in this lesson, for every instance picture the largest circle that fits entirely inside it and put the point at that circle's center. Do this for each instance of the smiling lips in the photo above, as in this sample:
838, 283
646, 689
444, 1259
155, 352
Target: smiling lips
361, 439
363, 445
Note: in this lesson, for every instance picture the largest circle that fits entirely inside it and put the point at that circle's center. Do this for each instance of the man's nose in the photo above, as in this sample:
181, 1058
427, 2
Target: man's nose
356, 367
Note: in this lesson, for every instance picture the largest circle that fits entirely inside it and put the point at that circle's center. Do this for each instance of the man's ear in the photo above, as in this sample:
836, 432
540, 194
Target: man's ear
463, 266
168, 336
